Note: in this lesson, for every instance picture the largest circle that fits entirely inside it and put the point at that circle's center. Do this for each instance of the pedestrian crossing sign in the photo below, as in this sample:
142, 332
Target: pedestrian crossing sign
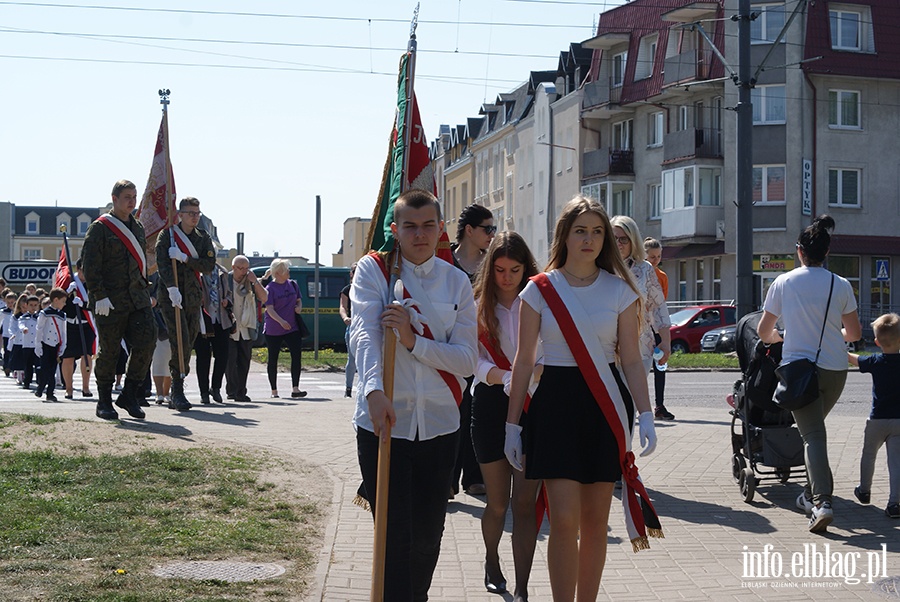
882, 270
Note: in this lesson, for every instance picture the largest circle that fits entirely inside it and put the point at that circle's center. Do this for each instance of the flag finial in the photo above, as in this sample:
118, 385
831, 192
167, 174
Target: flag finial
164, 94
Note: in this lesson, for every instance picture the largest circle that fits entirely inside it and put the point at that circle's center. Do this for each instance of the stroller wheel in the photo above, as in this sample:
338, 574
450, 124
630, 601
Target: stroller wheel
747, 481
738, 464
783, 474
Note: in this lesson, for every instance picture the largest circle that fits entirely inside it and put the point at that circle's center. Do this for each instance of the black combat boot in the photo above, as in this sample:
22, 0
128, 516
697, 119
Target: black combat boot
105, 408
128, 400
178, 401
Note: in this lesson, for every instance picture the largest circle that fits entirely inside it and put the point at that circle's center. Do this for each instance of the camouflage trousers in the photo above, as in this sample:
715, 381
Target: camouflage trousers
190, 328
138, 328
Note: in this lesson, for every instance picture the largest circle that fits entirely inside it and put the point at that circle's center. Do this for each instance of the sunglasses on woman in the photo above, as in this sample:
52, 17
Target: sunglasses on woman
488, 229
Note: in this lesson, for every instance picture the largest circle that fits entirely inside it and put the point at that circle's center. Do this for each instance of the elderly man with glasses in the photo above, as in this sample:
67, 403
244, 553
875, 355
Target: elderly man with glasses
247, 291
192, 250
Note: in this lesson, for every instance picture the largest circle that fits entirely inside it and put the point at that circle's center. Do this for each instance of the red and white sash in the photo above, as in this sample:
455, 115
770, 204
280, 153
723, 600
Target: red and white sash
128, 239
184, 243
454, 383
500, 359
640, 517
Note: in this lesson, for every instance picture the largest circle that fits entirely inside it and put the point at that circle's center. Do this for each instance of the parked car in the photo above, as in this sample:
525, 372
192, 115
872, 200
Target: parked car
691, 323
719, 340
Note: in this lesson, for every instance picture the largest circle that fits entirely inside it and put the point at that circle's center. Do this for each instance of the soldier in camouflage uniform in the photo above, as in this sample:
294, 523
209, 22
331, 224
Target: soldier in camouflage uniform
194, 254
115, 275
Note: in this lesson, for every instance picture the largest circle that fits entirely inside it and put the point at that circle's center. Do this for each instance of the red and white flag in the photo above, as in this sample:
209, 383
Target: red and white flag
155, 212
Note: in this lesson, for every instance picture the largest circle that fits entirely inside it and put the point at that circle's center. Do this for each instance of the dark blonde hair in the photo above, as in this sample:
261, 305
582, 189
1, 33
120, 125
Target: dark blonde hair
630, 228
505, 244
608, 259
887, 329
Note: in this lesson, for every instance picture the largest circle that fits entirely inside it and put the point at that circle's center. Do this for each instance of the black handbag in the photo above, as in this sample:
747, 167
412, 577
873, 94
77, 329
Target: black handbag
301, 325
798, 381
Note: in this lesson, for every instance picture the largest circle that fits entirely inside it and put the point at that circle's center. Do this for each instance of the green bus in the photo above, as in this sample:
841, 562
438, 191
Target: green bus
331, 282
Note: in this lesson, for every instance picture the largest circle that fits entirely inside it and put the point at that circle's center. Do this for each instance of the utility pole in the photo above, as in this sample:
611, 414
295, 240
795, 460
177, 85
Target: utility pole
745, 301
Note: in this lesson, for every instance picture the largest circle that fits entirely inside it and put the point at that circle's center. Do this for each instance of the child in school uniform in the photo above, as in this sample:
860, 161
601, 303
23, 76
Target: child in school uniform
6, 316
16, 362
28, 332
883, 425
50, 341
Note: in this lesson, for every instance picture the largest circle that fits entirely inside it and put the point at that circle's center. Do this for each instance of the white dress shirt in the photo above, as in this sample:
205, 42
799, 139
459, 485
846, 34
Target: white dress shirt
423, 403
508, 333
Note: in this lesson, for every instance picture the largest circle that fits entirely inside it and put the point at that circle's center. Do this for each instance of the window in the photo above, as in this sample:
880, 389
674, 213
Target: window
767, 26
619, 61
848, 267
699, 266
684, 120
656, 128
844, 187
846, 30
622, 199
682, 280
596, 192
654, 194
768, 104
688, 187
717, 278
32, 223
843, 109
622, 133
768, 184
709, 185
646, 55
84, 220
28, 254
329, 285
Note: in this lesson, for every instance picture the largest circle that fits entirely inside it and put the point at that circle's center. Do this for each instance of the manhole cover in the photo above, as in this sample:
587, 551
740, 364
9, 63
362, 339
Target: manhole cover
889, 588
219, 570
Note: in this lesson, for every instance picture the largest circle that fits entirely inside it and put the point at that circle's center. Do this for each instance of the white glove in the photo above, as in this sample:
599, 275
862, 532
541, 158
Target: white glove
72, 286
102, 307
77, 301
39, 350
512, 445
175, 296
177, 254
507, 382
647, 430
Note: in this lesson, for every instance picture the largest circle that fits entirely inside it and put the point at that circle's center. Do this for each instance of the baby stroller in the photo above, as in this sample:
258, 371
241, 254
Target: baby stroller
766, 446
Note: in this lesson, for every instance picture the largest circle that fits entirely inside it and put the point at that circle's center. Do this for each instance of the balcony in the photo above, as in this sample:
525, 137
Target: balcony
606, 160
703, 143
692, 65
601, 100
696, 224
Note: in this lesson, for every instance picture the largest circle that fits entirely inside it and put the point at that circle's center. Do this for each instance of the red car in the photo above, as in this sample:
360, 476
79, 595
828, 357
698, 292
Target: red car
691, 323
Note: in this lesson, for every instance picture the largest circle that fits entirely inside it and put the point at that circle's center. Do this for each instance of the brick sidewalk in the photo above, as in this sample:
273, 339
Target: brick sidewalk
706, 523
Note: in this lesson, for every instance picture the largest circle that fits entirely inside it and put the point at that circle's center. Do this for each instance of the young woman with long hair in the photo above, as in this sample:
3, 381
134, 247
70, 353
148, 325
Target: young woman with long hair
502, 276
585, 310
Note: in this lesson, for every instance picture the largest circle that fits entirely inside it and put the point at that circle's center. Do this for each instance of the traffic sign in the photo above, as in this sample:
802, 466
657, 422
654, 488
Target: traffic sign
882, 269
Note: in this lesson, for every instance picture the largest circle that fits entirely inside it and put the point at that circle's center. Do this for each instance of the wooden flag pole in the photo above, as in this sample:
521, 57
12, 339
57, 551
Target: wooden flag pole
390, 354
164, 101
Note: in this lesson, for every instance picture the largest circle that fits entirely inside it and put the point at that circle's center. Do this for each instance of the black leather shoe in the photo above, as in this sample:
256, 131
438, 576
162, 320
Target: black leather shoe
242, 398
216, 396
204, 399
128, 401
296, 394
494, 587
106, 411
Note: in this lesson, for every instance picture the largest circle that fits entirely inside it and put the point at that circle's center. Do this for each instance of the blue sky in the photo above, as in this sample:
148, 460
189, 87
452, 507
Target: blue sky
257, 131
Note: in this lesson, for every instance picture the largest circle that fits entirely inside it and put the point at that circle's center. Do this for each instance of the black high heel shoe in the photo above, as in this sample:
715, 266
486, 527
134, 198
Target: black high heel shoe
498, 587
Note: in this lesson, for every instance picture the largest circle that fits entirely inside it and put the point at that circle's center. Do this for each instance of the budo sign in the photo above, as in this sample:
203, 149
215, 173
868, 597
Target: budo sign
23, 272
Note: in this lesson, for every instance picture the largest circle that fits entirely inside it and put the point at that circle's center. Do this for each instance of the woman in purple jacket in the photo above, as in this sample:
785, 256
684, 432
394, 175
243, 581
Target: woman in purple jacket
282, 311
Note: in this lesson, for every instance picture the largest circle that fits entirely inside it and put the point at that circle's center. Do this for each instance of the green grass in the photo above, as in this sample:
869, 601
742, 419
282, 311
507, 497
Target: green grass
329, 360
68, 522
703, 361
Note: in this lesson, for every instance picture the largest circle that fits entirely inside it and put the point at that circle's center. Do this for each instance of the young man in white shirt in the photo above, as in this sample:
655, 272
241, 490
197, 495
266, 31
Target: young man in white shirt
428, 382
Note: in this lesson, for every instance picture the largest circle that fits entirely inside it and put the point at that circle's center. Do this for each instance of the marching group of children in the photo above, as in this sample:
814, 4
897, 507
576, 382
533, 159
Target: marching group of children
33, 325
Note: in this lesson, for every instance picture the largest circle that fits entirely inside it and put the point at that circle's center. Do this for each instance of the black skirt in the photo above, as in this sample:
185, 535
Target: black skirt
566, 435
73, 340
489, 407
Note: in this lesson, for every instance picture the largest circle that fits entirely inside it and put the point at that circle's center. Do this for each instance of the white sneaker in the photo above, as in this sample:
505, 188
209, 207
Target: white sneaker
804, 504
822, 515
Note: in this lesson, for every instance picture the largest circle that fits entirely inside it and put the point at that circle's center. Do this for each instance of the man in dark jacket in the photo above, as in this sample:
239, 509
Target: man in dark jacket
193, 252
115, 273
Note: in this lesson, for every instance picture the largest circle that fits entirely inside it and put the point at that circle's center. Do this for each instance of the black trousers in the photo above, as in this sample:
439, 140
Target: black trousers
659, 384
30, 362
294, 342
466, 463
238, 367
46, 380
417, 505
206, 347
